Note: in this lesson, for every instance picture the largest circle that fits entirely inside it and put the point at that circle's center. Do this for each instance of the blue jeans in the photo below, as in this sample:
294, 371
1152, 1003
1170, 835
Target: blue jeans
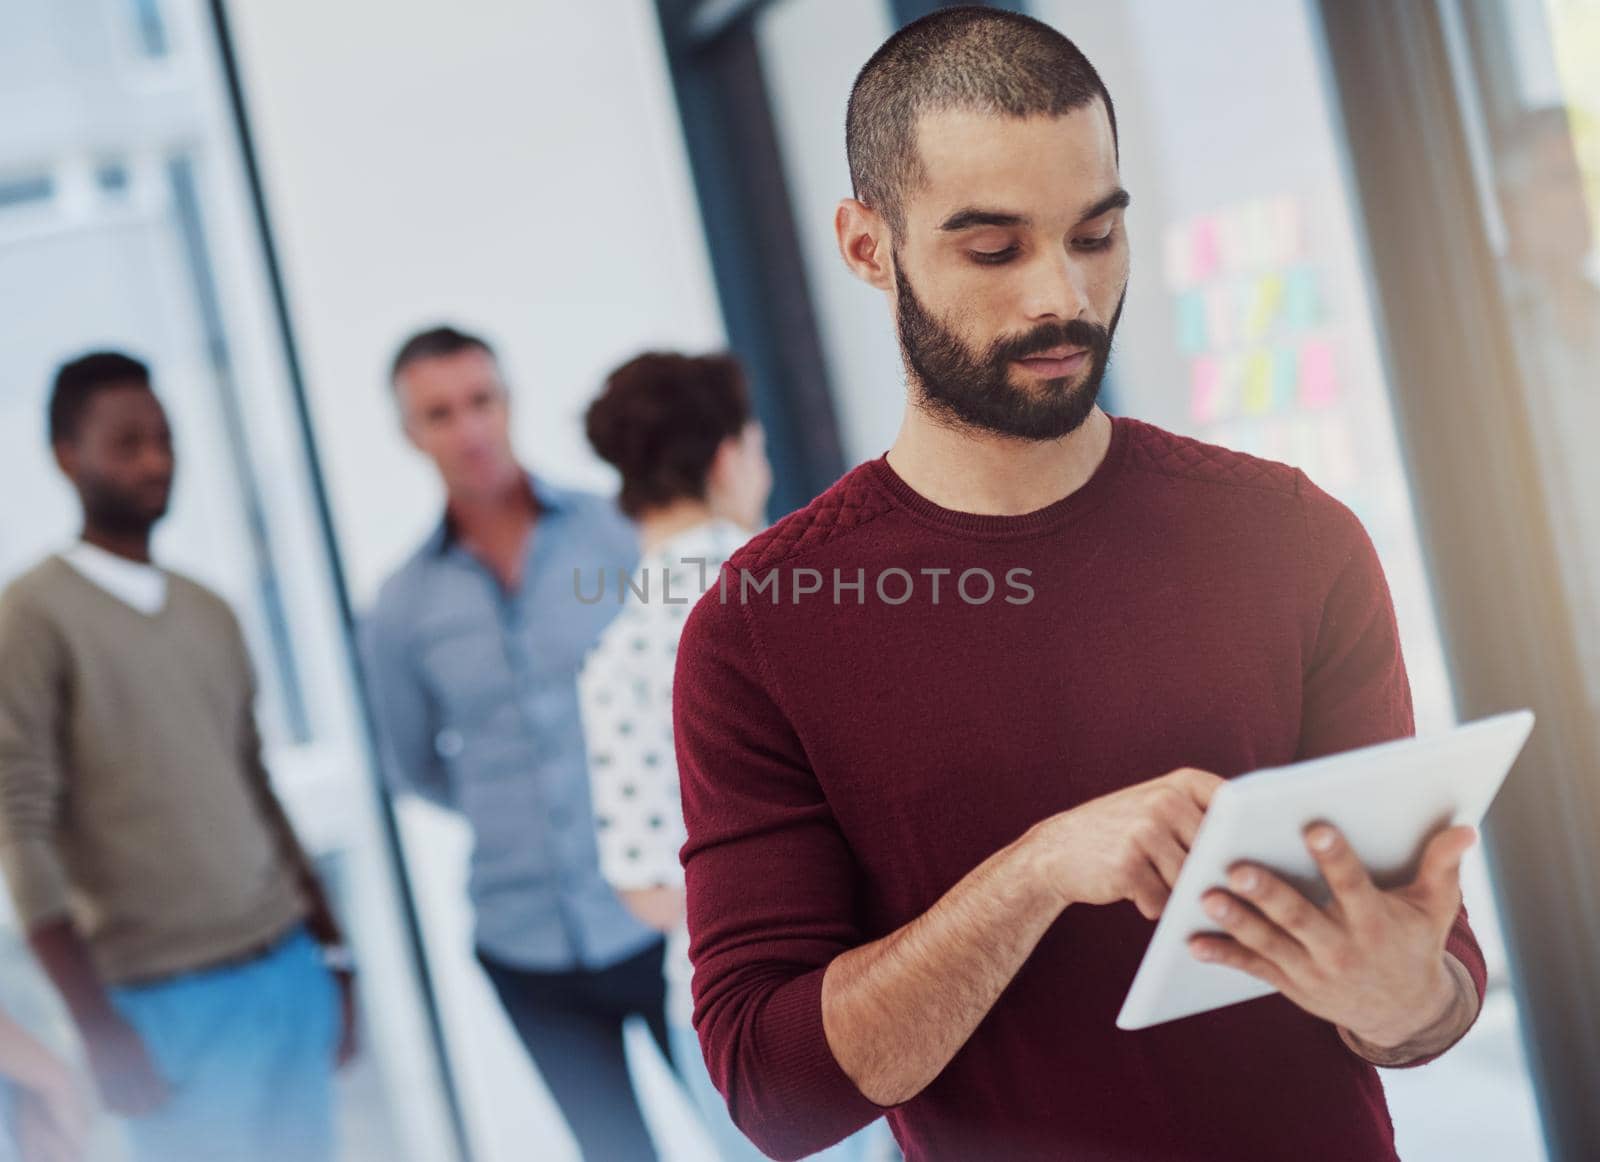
248, 1051
732, 1146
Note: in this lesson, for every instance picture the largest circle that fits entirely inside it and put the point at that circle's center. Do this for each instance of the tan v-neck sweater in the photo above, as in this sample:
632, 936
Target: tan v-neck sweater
133, 798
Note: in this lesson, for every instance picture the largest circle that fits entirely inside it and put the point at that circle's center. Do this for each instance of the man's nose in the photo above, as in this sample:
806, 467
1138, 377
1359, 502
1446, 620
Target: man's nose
1055, 288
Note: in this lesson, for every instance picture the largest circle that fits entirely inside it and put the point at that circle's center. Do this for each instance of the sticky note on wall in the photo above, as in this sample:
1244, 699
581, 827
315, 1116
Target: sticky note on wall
1302, 302
1257, 394
1192, 331
1205, 389
1265, 303
1285, 378
1319, 386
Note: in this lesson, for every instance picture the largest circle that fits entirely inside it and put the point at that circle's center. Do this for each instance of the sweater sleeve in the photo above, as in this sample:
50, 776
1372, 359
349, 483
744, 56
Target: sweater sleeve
33, 692
1355, 691
771, 892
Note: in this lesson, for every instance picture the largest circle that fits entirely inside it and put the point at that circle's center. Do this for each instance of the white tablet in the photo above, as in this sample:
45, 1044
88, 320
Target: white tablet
1388, 800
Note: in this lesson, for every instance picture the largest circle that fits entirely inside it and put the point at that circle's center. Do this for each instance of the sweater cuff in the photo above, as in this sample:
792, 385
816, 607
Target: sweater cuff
38, 883
819, 1104
1461, 945
1467, 977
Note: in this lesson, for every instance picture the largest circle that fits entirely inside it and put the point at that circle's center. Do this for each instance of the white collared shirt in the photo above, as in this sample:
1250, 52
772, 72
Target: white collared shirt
135, 583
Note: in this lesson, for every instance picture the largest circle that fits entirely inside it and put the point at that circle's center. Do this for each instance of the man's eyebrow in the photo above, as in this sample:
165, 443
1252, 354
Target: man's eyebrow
1117, 199
966, 219
972, 216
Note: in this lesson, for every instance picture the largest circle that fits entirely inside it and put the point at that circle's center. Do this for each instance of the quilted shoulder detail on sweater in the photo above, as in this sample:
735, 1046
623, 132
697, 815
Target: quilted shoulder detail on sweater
850, 502
1158, 450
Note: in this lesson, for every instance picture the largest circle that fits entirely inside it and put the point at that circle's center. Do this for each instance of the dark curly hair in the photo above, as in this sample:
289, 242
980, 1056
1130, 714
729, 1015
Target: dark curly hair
661, 418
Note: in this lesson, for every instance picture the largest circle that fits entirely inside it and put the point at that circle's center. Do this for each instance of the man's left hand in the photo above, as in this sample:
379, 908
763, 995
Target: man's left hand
1370, 961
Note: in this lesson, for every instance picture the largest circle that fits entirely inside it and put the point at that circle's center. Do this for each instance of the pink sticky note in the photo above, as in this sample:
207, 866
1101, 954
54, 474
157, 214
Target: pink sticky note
1205, 386
1319, 386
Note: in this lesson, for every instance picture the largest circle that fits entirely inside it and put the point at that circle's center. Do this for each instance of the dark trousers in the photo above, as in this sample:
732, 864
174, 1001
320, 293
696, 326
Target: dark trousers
571, 1025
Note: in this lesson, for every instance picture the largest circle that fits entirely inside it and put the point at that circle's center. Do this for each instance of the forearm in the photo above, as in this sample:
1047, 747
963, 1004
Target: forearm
1455, 1018
66, 960
897, 1010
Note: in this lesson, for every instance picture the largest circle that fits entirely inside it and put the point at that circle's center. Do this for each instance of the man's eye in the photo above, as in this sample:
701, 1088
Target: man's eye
993, 257
1103, 242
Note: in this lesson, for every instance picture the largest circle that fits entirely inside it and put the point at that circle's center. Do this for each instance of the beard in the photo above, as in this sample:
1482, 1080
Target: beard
115, 509
975, 391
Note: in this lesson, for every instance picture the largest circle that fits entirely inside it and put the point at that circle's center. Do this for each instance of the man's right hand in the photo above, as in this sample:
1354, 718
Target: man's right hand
1128, 845
129, 1082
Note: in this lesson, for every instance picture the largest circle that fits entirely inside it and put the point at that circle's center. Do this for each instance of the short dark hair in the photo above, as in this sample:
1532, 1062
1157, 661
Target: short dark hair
78, 381
982, 59
660, 420
434, 343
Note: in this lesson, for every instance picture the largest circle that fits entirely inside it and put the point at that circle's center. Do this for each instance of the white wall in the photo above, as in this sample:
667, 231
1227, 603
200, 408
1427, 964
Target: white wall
516, 168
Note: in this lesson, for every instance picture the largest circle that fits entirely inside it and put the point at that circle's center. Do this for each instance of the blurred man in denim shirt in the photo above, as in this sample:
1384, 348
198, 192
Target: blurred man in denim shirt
472, 655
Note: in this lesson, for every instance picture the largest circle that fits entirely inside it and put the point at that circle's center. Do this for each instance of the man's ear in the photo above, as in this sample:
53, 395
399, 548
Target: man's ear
66, 458
863, 238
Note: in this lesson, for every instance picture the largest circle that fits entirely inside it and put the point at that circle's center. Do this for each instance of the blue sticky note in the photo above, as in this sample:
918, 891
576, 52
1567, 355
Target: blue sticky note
1192, 339
1285, 379
1302, 300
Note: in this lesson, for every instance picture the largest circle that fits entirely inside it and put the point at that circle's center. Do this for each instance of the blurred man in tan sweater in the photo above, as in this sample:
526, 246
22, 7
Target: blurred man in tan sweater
161, 885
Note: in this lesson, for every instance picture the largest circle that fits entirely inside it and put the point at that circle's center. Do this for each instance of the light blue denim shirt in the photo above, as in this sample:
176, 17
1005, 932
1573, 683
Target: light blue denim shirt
475, 691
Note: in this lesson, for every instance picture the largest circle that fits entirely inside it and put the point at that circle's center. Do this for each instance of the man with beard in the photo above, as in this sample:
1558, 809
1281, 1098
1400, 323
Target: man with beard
162, 887
927, 838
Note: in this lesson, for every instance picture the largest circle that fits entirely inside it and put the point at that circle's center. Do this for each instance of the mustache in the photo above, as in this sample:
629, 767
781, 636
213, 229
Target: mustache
1071, 333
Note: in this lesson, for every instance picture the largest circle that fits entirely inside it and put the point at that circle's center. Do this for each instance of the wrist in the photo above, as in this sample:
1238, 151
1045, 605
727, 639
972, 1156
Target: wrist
1039, 857
1438, 1009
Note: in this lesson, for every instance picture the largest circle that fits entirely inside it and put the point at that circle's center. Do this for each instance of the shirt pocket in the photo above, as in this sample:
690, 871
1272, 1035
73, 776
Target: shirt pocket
464, 667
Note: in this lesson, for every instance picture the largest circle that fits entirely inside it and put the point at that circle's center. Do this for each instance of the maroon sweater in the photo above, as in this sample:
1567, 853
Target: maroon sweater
844, 764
